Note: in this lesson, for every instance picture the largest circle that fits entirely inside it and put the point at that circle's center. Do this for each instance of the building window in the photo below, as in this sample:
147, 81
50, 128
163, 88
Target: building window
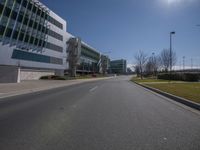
54, 47
55, 22
23, 55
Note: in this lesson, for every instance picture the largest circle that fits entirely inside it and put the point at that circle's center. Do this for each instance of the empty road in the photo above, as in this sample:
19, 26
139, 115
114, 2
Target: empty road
112, 114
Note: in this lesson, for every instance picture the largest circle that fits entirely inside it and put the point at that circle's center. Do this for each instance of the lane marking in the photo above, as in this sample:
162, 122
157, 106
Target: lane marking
93, 89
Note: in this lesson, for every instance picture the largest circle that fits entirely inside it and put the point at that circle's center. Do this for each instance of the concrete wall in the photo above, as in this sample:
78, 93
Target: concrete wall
34, 74
8, 74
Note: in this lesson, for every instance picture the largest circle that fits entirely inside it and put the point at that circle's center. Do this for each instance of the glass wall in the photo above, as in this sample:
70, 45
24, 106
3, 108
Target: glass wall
23, 55
89, 60
24, 23
118, 66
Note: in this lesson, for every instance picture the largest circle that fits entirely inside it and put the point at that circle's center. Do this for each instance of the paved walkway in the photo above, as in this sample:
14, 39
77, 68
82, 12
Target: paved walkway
13, 89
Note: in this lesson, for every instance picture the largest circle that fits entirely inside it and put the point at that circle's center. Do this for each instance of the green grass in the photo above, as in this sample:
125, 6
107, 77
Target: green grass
188, 90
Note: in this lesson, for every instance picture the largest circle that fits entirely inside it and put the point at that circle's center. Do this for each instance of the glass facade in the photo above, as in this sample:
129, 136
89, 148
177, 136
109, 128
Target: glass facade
23, 55
87, 65
24, 23
55, 22
89, 53
118, 66
89, 60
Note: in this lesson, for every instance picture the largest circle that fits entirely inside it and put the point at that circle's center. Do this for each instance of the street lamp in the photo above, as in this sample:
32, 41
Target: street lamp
171, 33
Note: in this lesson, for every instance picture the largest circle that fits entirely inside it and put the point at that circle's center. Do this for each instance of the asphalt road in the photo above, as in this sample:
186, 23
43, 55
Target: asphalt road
112, 114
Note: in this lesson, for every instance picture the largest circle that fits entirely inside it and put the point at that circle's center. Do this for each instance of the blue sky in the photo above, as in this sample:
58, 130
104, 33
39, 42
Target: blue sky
126, 26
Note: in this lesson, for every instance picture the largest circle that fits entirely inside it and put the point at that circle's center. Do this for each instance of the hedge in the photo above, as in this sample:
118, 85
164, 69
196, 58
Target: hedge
192, 77
52, 77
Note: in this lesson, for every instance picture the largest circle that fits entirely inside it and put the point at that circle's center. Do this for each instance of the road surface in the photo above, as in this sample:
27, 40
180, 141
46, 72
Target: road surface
112, 114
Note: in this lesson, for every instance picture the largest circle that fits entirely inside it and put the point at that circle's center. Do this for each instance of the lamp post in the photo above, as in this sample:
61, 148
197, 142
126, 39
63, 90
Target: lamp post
198, 25
171, 33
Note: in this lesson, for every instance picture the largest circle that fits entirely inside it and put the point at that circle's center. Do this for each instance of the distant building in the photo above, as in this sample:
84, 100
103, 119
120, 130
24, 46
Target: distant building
118, 66
89, 59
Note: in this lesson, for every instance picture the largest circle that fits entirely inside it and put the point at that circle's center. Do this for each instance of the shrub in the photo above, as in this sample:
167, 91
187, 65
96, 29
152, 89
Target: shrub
94, 75
44, 77
52, 77
191, 77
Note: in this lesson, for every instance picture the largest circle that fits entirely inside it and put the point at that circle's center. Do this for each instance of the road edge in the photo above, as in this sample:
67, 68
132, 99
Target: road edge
172, 97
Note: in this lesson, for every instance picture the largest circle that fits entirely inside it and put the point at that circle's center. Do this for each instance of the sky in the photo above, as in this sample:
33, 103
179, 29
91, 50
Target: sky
120, 28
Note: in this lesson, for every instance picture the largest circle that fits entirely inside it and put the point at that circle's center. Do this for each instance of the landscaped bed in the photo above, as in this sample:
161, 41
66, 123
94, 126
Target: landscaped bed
188, 90
66, 77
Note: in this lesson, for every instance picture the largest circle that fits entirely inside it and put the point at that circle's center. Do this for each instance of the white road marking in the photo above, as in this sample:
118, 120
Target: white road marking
93, 89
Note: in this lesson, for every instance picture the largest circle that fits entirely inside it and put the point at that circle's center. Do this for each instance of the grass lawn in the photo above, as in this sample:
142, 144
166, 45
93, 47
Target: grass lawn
188, 90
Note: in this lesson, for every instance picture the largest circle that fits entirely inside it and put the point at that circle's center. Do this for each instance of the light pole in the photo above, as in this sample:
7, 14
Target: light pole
198, 25
171, 33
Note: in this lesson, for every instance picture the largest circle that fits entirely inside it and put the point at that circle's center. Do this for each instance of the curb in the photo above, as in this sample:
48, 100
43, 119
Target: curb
173, 97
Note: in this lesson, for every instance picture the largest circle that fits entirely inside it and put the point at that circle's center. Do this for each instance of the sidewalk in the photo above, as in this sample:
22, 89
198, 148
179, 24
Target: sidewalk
25, 87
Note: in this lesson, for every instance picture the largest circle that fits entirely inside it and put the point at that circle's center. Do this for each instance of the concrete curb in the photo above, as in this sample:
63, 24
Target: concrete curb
173, 97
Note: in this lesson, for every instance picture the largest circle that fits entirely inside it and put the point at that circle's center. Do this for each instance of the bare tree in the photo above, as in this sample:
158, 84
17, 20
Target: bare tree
149, 70
141, 59
155, 64
165, 59
137, 70
152, 65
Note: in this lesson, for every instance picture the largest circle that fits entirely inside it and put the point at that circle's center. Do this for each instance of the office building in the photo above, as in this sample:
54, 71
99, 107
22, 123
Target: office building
33, 42
118, 66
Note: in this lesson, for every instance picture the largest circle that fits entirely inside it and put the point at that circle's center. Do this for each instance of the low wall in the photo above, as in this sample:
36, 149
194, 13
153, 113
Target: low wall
28, 74
10, 74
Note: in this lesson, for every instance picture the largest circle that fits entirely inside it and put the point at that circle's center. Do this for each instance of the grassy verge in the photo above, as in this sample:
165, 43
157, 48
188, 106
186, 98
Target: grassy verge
188, 90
